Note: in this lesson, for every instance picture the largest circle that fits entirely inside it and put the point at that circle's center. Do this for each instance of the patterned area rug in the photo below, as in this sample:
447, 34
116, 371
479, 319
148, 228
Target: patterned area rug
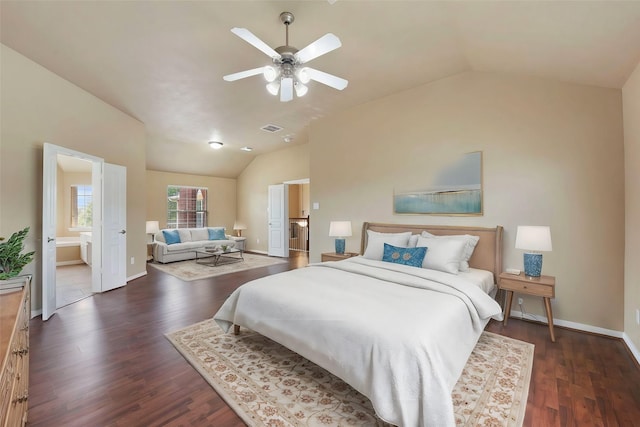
268, 385
190, 270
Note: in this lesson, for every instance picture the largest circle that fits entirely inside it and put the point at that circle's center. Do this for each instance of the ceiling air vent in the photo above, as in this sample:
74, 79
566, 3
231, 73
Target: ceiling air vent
271, 128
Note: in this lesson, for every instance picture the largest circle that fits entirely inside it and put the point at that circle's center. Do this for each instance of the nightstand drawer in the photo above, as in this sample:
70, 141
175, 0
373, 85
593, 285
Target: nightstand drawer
529, 288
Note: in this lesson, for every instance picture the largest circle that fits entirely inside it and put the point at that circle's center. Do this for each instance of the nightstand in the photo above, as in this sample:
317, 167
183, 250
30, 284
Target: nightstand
543, 286
332, 256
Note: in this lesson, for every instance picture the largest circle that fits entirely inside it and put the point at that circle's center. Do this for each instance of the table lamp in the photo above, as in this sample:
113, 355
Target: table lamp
340, 229
533, 239
238, 227
153, 227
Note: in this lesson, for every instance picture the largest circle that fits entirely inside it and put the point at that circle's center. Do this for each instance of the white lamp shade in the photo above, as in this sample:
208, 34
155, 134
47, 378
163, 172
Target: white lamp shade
153, 227
239, 226
340, 229
533, 238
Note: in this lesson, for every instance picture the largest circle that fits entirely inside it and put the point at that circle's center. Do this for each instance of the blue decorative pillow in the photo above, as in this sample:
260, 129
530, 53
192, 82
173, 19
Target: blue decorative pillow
217, 233
171, 236
407, 256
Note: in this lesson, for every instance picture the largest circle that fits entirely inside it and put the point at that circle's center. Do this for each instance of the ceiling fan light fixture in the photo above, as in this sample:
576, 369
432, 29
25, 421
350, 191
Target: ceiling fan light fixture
215, 145
287, 74
286, 89
273, 87
270, 73
301, 90
303, 75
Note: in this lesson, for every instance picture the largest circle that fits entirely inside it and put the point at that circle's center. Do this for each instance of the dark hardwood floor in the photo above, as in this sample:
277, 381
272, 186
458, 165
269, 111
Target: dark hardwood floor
104, 361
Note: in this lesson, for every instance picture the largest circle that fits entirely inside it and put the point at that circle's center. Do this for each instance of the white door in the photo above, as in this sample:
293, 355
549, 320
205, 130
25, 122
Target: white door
49, 220
114, 230
49, 182
278, 220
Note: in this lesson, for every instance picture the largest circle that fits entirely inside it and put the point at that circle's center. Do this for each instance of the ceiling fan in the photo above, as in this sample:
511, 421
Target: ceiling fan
288, 72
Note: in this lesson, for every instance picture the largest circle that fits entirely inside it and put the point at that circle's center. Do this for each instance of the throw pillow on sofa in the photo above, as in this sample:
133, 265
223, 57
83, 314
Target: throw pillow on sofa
199, 234
217, 233
171, 236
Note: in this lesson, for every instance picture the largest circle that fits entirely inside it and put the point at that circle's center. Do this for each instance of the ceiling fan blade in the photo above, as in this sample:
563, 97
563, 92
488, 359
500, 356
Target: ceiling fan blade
327, 79
286, 89
254, 41
243, 74
324, 44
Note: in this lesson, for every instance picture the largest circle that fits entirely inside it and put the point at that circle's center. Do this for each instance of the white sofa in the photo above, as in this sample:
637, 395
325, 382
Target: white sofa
191, 239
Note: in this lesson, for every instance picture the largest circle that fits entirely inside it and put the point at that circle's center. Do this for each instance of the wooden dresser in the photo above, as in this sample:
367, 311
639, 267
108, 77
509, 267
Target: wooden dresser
15, 312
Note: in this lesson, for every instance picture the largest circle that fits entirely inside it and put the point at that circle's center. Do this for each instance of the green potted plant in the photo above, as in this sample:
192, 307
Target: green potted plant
12, 260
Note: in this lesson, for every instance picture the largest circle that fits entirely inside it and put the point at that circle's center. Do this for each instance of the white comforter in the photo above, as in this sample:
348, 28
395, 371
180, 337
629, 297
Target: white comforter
399, 335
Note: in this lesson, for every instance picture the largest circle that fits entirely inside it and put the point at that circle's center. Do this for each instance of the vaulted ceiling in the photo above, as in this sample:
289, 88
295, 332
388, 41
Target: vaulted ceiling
162, 62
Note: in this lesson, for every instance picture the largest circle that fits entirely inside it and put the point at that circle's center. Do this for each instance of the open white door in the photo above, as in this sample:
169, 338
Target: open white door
114, 254
278, 213
49, 183
49, 221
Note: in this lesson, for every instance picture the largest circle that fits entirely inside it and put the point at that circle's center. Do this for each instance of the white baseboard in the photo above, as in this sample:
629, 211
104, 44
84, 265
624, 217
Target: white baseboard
632, 347
36, 313
568, 324
582, 327
135, 276
74, 262
259, 252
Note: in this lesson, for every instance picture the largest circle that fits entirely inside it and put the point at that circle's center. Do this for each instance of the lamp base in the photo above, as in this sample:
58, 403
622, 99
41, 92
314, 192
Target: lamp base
532, 264
340, 246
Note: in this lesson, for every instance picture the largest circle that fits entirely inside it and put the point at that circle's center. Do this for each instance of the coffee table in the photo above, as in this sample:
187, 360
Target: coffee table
213, 256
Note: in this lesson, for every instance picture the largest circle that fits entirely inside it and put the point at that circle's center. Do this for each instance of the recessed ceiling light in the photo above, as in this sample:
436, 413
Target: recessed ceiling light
288, 138
215, 145
247, 149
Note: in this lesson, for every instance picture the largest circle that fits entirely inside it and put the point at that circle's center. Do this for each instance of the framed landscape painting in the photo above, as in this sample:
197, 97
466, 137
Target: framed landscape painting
457, 190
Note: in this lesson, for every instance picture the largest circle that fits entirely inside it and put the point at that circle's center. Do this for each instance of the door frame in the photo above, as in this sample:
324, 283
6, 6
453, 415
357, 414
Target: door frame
49, 222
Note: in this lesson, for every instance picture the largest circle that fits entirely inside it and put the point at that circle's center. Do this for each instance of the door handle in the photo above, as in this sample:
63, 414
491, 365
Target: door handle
49, 240
123, 232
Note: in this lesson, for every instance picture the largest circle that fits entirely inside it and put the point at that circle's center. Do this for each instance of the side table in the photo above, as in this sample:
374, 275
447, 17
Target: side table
543, 286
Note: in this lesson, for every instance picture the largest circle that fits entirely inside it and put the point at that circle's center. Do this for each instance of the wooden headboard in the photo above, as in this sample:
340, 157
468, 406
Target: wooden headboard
486, 256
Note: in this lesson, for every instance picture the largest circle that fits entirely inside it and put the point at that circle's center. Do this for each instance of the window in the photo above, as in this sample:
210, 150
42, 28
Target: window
186, 207
81, 206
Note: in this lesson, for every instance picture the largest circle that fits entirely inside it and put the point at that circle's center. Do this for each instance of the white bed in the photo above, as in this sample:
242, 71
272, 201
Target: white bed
400, 335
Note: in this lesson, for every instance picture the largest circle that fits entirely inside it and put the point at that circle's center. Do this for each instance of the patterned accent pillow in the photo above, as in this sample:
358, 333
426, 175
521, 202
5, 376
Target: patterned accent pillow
171, 236
217, 233
406, 256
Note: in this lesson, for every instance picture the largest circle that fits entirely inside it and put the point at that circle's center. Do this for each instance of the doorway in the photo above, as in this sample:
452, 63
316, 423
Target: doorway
108, 249
299, 219
289, 219
74, 206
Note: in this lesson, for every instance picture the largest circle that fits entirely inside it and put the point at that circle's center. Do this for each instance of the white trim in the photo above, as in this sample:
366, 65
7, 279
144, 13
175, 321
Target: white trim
298, 181
631, 346
257, 251
568, 324
73, 262
136, 276
35, 313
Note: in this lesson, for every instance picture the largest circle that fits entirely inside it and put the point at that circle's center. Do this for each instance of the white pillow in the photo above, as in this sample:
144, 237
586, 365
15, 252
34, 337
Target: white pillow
185, 235
413, 241
442, 254
376, 241
470, 245
200, 234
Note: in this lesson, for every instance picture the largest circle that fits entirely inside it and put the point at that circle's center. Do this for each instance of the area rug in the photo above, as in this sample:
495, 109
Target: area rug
268, 385
190, 270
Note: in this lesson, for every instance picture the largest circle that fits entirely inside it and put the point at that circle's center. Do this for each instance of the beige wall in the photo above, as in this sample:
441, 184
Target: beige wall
289, 164
631, 108
221, 201
552, 155
37, 106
